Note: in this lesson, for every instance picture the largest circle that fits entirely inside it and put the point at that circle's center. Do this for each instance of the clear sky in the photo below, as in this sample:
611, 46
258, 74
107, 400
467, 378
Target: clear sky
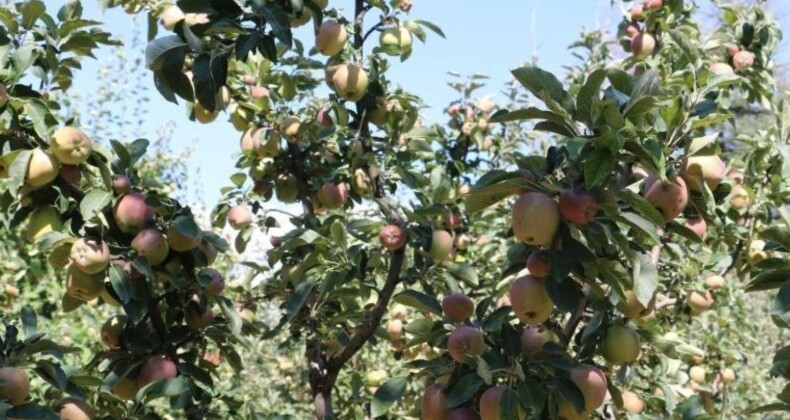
488, 37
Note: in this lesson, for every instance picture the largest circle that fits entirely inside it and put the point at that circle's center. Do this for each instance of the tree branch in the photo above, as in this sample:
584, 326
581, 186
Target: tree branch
573, 322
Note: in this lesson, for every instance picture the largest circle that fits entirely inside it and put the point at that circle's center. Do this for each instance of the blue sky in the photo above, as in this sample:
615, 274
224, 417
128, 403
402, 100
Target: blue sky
482, 37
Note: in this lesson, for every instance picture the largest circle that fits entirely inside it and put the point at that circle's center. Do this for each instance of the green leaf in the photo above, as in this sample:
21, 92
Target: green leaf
588, 96
278, 20
781, 310
641, 106
298, 299
419, 301
641, 224
463, 390
31, 11
686, 48
598, 166
702, 145
158, 50
28, 317
645, 279
642, 206
39, 114
539, 81
231, 316
94, 202
167, 388
387, 394
769, 279
781, 363
482, 197
430, 26
185, 225
121, 283
570, 392
464, 272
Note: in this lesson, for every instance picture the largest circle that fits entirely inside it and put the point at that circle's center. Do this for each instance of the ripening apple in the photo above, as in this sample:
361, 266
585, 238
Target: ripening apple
41, 221
714, 282
250, 143
530, 300
73, 408
399, 312
535, 219
458, 307
699, 303
289, 127
592, 383
462, 413
156, 368
83, 286
533, 338
121, 184
433, 405
743, 60
392, 237
171, 16
350, 81
465, 341
14, 385
217, 283
111, 331
721, 69
89, 255
70, 146
203, 115
395, 329
632, 29
42, 169
131, 213
71, 174
240, 217
697, 374
181, 242
637, 13
125, 389
727, 376
395, 41
490, 402
331, 38
538, 263
441, 245
621, 345
209, 251
332, 195
151, 244
698, 225
643, 45
653, 4
709, 168
632, 403
739, 198
670, 197
577, 206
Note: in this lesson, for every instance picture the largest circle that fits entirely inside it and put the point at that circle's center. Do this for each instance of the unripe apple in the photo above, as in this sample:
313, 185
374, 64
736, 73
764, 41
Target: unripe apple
727, 376
392, 237
362, 183
121, 184
699, 303
538, 263
375, 378
217, 283
111, 331
462, 413
203, 115
533, 338
181, 242
632, 403
592, 383
434, 403
395, 329
632, 30
82, 286
151, 244
131, 213
739, 198
577, 206
637, 13
329, 75
71, 146
395, 41
670, 197
643, 45
170, 16
698, 225
331, 38
441, 245
42, 169
621, 345
125, 389
196, 320
89, 255
156, 368
350, 81
41, 221
530, 300
465, 341
240, 217
297, 20
458, 307
74, 409
332, 195
530, 208
714, 282
721, 69
697, 374
289, 127
250, 143
653, 4
14, 385
287, 189
743, 60
709, 168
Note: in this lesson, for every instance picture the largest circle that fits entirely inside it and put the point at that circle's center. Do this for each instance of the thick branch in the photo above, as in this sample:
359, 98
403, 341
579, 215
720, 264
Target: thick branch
573, 322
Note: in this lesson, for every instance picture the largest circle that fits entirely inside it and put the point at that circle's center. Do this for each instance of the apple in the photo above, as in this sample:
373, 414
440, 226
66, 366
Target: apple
670, 197
42, 169
289, 127
697, 374
709, 168
322, 118
632, 29
14, 385
567, 411
462, 414
739, 197
533, 338
41, 221
632, 403
529, 208
250, 143
633, 308
637, 13
399, 312
196, 320
653, 4
108, 298
433, 405
240, 217
392, 237
73, 408
490, 402
643, 45
698, 225
224, 97
458, 307
71, 174
395, 329
82, 286
538, 263
577, 206
441, 245
405, 5
217, 283
181, 242
462, 241
3, 95
121, 184
331, 38
332, 195
125, 389
303, 16
171, 16
721, 69
465, 341
395, 41
530, 300
329, 74
743, 60
131, 213
70, 146
89, 255
452, 220
350, 81
714, 282
287, 189
699, 303
621, 345
111, 331
203, 115
151, 244
156, 368
592, 383
240, 117
362, 183
727, 376
209, 251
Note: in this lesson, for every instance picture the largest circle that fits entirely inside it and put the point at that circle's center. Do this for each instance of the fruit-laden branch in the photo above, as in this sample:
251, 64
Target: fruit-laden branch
304, 194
